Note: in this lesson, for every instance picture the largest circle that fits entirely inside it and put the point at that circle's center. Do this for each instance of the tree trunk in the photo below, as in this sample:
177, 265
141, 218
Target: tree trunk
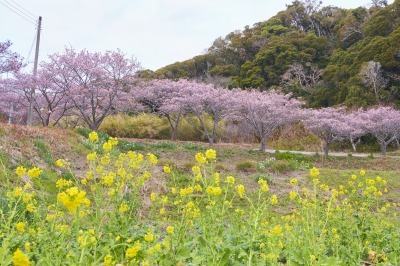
214, 131
174, 133
93, 126
263, 142
353, 144
383, 148
398, 144
326, 148
210, 141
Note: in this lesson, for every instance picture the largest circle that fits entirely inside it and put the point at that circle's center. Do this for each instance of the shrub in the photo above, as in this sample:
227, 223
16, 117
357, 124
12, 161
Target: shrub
193, 147
258, 177
294, 137
291, 156
246, 166
164, 145
139, 126
282, 167
266, 164
125, 146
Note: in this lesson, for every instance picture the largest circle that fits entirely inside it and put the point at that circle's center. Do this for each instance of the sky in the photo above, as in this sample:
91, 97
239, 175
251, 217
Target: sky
156, 32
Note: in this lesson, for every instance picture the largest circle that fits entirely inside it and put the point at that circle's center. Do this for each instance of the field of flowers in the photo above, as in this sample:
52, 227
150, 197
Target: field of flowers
119, 214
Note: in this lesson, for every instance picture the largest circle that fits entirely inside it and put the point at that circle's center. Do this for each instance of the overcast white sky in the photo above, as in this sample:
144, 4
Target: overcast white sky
156, 32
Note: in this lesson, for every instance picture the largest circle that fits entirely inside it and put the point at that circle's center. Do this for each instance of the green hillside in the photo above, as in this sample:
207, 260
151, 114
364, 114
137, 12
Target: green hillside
324, 54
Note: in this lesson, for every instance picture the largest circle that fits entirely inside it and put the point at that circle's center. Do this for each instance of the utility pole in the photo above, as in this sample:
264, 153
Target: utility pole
11, 113
32, 92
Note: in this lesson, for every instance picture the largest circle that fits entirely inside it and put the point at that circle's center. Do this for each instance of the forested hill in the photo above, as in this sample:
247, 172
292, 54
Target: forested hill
324, 54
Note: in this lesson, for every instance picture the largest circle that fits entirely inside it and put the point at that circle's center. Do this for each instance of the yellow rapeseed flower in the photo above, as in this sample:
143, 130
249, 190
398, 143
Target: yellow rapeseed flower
230, 180
108, 260
111, 192
72, 198
30, 207
211, 154
131, 252
153, 196
61, 163
93, 137
17, 192
20, 259
200, 158
292, 195
20, 171
162, 211
276, 230
124, 207
263, 184
370, 182
170, 229
167, 169
28, 246
91, 156
186, 191
34, 172
105, 159
362, 172
62, 183
198, 188
216, 178
107, 146
152, 158
314, 172
157, 247
240, 190
214, 190
20, 226
149, 237
196, 170
113, 141
108, 179
274, 199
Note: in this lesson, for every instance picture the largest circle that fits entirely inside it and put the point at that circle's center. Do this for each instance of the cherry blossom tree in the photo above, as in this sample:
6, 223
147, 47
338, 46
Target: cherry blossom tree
351, 128
160, 97
383, 123
12, 103
50, 103
264, 112
96, 84
329, 124
206, 101
9, 61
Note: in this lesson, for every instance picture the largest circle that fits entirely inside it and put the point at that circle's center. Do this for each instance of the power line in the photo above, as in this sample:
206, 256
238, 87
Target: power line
30, 50
19, 14
26, 14
27, 11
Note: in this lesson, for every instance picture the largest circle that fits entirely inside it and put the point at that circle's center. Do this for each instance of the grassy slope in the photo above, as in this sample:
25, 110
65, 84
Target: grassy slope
42, 146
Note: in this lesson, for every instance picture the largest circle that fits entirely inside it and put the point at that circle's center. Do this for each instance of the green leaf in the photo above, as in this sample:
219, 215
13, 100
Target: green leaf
332, 261
183, 253
203, 242
242, 254
6, 258
225, 257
